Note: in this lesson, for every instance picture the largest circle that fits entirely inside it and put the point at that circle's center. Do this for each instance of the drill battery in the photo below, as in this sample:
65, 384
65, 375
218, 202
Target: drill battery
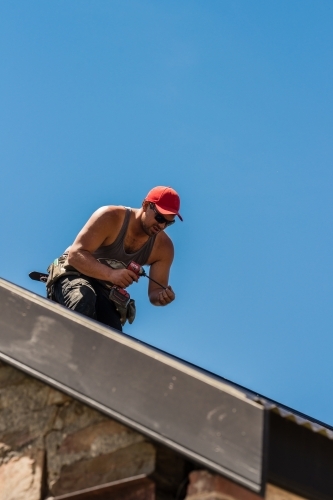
119, 296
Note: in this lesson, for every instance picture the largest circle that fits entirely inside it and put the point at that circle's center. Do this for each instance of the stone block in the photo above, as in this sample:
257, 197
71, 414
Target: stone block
20, 427
275, 493
100, 438
21, 477
29, 395
64, 448
10, 376
133, 460
57, 398
73, 415
136, 488
206, 486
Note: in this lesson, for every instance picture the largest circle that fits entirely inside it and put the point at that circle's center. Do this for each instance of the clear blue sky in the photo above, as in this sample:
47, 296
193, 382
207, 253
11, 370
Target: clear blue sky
229, 102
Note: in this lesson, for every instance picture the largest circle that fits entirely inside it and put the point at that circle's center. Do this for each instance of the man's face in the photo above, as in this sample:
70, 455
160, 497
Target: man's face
149, 223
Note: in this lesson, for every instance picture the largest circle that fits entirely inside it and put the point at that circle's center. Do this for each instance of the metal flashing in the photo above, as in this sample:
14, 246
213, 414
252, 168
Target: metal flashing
297, 418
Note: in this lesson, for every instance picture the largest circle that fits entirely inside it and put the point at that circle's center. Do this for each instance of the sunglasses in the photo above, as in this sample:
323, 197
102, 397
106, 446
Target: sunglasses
159, 217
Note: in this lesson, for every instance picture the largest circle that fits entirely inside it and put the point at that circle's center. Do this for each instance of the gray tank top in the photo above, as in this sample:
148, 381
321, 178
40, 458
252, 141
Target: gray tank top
116, 250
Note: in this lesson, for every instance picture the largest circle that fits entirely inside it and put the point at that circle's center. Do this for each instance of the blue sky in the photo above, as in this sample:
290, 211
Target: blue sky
229, 102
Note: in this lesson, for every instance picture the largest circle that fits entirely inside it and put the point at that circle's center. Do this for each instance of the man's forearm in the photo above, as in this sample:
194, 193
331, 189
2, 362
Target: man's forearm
85, 263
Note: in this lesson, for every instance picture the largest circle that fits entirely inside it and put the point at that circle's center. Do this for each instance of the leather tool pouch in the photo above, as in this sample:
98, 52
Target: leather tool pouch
127, 313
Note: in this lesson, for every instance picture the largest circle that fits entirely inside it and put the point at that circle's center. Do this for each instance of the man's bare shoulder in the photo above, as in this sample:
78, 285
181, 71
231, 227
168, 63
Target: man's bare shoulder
110, 214
106, 221
164, 239
110, 211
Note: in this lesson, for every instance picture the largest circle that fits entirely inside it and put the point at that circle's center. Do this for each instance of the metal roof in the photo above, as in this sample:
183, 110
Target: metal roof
296, 417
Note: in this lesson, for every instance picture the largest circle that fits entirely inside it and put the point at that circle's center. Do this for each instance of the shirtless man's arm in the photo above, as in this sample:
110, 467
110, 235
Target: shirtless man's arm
161, 257
101, 229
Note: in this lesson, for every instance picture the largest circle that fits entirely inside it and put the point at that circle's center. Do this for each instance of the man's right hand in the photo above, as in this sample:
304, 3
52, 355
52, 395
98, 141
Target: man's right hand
123, 277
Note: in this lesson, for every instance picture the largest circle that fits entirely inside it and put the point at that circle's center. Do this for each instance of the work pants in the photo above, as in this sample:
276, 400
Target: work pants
87, 296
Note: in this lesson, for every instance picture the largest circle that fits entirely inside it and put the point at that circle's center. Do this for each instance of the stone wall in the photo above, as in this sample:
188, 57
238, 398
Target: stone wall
51, 444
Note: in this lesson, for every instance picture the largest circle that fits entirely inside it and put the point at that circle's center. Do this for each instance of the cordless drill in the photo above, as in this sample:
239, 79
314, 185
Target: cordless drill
137, 269
121, 296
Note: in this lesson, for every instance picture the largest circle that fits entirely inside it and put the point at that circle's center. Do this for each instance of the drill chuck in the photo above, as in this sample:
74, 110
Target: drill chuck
137, 269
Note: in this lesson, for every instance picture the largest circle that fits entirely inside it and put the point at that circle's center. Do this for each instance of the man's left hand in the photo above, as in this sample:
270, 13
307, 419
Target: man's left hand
166, 296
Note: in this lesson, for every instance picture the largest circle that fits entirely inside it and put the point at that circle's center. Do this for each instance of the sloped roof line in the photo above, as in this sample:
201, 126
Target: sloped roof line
296, 417
286, 412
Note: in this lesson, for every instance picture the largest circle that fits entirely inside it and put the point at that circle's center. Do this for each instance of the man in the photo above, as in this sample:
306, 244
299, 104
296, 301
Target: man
112, 238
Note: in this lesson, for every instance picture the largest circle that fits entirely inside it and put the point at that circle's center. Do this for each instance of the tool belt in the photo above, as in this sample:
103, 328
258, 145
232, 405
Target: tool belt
127, 313
60, 268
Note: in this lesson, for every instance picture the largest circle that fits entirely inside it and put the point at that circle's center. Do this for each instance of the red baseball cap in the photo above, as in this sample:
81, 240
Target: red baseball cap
166, 199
